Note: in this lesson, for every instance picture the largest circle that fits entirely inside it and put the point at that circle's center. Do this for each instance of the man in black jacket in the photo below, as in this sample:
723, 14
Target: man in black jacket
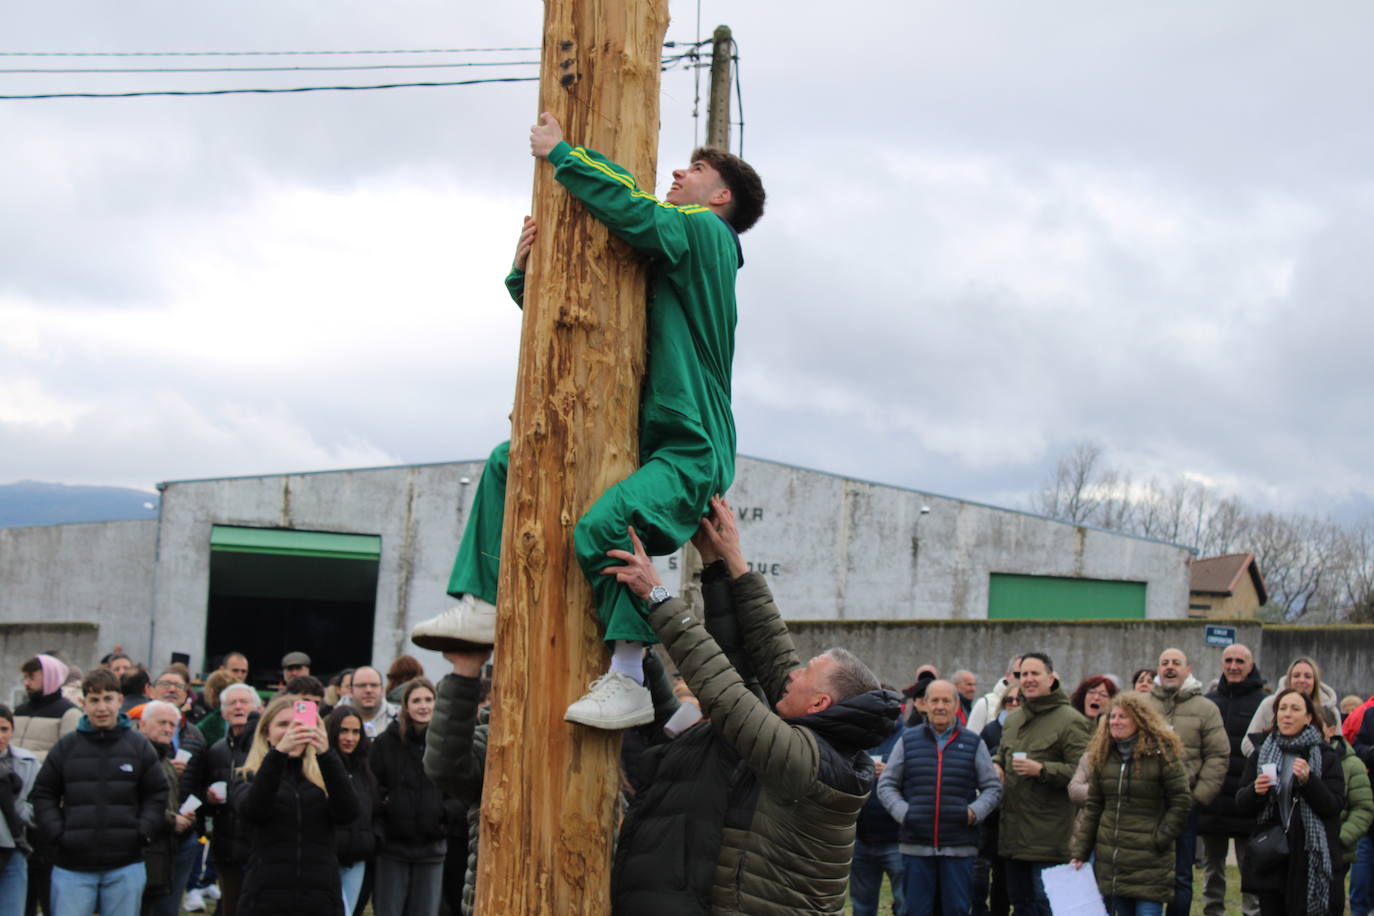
1238, 694
98, 800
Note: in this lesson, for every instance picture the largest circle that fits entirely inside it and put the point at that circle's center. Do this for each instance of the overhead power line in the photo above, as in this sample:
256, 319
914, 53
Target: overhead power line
257, 53
296, 89
495, 63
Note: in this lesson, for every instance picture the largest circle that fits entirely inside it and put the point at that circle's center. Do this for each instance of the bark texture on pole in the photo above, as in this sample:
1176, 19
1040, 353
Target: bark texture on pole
718, 104
549, 804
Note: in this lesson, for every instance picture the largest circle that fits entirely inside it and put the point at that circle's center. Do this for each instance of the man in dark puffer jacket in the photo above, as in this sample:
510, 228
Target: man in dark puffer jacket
1238, 693
99, 797
752, 811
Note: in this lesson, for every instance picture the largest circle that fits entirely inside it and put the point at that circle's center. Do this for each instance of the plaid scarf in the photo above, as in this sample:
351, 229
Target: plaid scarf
1318, 855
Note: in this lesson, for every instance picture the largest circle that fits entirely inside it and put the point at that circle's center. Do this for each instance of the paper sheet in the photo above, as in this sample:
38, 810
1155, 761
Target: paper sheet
1073, 892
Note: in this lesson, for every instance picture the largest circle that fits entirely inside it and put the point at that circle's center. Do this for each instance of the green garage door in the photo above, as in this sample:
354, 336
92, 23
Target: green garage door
1013, 597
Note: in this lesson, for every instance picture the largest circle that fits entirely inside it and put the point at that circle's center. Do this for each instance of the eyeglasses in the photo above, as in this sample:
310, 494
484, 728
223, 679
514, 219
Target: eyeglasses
1097, 692
177, 684
1016, 674
1012, 701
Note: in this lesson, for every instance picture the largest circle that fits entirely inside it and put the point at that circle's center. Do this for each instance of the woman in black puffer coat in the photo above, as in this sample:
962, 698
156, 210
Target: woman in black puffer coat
356, 841
1306, 797
288, 796
414, 815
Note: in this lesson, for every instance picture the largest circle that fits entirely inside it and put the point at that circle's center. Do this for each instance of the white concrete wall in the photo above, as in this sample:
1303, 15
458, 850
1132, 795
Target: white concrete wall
418, 511
841, 549
101, 572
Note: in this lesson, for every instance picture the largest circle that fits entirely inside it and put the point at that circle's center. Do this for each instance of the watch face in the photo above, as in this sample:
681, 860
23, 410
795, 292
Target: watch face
658, 593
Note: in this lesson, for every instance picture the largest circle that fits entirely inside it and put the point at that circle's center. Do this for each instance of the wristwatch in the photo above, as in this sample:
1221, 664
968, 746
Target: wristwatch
657, 595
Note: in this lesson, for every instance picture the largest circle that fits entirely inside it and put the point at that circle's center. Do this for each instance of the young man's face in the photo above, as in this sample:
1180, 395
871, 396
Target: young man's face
33, 682
699, 183
102, 708
121, 667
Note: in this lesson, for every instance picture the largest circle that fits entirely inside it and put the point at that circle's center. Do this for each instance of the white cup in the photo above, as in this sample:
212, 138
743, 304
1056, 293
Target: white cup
219, 791
183, 756
1019, 755
877, 758
1271, 770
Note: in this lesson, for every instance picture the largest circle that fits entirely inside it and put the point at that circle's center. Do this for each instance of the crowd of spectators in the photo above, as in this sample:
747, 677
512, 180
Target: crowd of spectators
134, 790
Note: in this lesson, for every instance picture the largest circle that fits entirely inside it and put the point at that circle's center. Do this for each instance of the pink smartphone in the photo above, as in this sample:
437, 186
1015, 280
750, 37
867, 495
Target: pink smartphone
307, 713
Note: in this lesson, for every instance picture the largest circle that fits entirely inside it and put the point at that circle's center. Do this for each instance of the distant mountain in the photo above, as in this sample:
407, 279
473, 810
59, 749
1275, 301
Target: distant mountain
32, 503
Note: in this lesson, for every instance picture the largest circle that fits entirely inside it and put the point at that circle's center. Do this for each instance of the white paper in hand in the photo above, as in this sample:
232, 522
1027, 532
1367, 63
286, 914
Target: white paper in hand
190, 806
1073, 891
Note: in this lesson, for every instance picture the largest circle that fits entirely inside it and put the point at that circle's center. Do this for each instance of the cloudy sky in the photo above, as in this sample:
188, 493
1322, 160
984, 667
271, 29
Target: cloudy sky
994, 229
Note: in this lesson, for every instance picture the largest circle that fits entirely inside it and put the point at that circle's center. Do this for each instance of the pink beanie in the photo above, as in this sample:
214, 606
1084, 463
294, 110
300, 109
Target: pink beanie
54, 674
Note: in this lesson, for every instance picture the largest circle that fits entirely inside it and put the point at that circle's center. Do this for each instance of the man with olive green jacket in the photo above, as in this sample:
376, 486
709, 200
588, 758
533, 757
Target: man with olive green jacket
752, 811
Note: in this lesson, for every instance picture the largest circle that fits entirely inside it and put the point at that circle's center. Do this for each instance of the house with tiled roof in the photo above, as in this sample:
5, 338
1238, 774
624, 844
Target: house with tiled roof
1229, 585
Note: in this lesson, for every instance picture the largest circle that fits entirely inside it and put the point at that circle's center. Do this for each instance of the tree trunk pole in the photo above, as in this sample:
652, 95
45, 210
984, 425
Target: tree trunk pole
718, 104
549, 809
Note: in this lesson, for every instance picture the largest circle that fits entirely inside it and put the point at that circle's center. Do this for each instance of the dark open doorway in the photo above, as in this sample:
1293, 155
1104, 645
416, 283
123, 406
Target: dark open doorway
275, 591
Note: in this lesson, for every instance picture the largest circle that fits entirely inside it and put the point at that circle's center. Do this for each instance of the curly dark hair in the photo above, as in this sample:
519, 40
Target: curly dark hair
1080, 694
746, 188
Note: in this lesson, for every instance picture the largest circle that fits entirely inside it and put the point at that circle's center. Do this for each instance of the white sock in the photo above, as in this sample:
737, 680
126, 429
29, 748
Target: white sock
627, 657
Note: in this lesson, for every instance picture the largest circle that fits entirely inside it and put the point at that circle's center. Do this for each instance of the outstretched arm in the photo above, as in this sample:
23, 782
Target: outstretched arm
613, 196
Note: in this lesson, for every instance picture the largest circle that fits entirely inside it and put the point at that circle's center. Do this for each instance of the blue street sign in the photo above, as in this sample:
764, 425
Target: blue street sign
1220, 636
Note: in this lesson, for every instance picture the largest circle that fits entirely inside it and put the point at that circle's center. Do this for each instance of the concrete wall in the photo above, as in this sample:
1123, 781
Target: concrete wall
76, 643
100, 572
418, 511
1343, 652
895, 649
837, 548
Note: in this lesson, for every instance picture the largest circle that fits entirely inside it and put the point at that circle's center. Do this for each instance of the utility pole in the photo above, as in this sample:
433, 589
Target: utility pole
549, 801
718, 104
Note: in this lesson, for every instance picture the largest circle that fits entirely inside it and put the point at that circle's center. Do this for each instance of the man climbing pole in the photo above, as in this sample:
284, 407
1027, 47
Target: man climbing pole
686, 431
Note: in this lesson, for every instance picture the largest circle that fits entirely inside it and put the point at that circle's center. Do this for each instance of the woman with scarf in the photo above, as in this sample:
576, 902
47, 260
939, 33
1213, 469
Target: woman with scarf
1137, 801
1305, 797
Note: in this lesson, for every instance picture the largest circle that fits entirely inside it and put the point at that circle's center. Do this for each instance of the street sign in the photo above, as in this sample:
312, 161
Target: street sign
1220, 636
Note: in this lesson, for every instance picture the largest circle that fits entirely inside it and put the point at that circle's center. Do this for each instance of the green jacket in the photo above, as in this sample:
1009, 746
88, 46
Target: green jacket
1135, 812
1358, 813
694, 256
1197, 722
1037, 816
788, 833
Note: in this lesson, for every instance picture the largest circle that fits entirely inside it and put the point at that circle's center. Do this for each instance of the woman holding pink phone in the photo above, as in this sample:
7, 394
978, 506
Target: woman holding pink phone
290, 794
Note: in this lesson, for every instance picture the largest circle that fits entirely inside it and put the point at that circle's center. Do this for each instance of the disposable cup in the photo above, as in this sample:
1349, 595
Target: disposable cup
1019, 755
1271, 770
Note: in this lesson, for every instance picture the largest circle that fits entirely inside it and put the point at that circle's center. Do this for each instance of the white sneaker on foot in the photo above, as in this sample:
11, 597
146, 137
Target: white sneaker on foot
209, 891
615, 701
194, 902
471, 621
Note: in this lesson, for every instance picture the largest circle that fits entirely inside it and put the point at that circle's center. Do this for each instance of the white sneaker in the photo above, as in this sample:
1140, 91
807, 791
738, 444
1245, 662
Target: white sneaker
194, 902
209, 891
615, 701
471, 621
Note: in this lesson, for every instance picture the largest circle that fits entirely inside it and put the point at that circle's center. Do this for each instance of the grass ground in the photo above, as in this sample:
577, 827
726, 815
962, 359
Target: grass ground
1232, 893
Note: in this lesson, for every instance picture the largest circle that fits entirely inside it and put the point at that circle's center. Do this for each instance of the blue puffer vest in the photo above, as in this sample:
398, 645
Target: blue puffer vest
943, 778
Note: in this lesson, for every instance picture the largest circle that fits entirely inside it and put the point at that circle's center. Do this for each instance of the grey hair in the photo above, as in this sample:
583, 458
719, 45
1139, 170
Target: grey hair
851, 676
239, 685
155, 705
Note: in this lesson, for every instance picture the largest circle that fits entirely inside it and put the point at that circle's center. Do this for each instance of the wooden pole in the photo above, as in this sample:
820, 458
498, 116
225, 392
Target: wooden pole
718, 103
549, 807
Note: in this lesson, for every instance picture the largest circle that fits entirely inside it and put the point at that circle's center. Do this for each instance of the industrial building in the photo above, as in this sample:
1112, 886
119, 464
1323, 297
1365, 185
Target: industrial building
343, 563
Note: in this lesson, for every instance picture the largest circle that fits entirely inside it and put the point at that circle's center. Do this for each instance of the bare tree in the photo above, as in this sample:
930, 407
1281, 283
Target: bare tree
1079, 484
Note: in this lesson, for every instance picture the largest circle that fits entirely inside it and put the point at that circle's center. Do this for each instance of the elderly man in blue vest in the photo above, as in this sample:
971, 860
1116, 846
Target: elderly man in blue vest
939, 785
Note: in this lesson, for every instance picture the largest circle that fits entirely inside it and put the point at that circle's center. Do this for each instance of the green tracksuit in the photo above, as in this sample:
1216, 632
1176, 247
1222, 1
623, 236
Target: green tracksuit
686, 429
